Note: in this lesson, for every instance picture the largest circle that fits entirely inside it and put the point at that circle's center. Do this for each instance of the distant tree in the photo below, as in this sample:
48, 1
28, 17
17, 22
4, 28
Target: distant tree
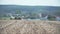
57, 13
4, 15
50, 17
18, 12
33, 15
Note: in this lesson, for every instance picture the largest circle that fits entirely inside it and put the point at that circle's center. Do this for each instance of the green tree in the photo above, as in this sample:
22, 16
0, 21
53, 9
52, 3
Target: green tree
57, 13
51, 17
18, 12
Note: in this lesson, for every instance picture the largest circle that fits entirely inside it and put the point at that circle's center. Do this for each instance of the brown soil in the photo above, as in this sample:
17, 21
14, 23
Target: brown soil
29, 27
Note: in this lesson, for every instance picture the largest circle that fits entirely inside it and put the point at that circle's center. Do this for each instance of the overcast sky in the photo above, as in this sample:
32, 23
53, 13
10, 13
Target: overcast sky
31, 2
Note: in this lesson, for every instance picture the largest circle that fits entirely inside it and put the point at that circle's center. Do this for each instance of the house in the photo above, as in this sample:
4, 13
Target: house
15, 16
58, 18
43, 16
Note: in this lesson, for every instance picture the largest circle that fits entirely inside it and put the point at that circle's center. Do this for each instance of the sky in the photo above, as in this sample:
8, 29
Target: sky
31, 2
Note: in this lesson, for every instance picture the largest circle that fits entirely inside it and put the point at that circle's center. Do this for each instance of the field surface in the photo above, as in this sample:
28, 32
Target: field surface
29, 27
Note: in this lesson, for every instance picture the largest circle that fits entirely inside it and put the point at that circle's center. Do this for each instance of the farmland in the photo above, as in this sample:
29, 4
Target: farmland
29, 27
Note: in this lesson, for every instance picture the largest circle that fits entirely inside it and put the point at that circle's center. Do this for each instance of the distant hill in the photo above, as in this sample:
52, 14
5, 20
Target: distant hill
53, 10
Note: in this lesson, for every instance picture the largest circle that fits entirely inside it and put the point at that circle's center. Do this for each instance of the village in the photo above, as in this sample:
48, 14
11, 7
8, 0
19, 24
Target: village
40, 16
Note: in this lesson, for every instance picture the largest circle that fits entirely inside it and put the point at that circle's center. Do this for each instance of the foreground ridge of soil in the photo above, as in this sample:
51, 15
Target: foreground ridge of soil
29, 27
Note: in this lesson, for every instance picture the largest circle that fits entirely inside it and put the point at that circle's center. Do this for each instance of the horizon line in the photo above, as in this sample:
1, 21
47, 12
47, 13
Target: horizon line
31, 5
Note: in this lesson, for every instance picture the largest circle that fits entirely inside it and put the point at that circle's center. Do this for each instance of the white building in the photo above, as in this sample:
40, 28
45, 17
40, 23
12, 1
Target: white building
40, 15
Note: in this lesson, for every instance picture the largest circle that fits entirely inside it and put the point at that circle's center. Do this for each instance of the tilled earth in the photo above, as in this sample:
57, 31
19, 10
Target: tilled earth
29, 27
